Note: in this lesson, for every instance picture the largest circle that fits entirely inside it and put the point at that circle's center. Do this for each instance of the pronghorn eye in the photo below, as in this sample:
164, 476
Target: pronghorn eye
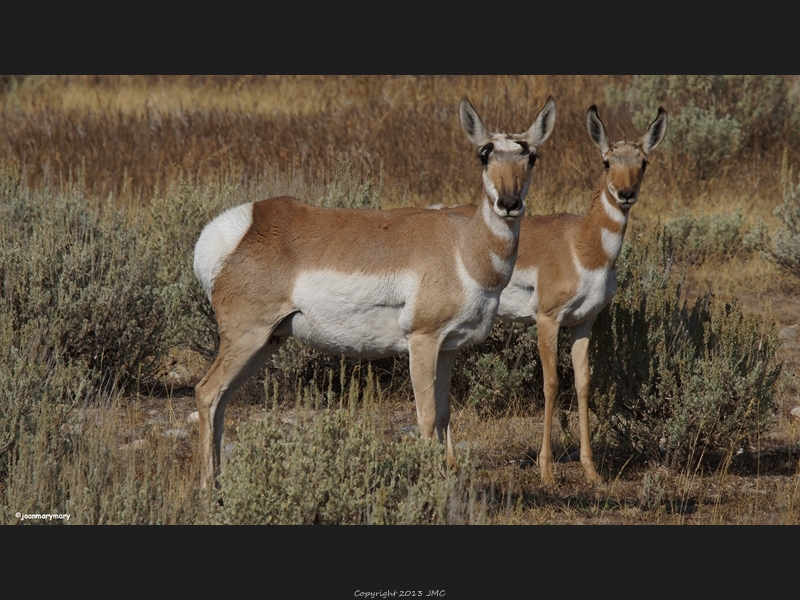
525, 148
484, 153
606, 165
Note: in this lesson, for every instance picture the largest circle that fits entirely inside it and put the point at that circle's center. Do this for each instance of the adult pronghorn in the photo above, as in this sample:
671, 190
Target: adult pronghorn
364, 283
565, 272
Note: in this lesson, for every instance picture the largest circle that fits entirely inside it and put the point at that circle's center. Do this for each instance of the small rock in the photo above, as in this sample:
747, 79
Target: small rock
193, 417
176, 433
178, 375
411, 431
227, 451
788, 333
795, 412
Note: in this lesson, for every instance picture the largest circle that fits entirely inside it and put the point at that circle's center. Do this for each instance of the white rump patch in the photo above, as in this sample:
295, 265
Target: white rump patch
218, 240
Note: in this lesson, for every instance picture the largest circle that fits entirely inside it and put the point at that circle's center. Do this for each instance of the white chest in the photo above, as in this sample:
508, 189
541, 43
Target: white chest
596, 288
473, 321
520, 299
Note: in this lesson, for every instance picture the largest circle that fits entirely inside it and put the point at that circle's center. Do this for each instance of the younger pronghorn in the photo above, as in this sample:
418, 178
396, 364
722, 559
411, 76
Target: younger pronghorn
565, 272
364, 283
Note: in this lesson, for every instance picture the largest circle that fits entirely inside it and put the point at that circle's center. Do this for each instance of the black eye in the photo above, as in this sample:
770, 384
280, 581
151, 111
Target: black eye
606, 165
525, 148
484, 153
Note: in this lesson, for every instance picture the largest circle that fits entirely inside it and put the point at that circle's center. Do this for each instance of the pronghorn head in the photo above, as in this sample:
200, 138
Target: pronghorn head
625, 161
507, 158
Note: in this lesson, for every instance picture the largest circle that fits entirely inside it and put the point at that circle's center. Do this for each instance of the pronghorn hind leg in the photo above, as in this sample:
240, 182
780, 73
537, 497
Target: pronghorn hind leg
238, 359
444, 369
548, 354
579, 336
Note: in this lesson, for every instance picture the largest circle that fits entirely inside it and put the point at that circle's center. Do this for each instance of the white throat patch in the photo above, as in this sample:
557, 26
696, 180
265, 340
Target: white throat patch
613, 211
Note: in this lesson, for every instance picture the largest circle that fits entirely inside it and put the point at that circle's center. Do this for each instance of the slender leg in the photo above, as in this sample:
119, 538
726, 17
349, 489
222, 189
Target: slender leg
580, 362
239, 358
423, 354
548, 354
444, 368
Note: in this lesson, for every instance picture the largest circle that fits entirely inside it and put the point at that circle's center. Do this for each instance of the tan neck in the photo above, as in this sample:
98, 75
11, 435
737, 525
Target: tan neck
489, 248
602, 230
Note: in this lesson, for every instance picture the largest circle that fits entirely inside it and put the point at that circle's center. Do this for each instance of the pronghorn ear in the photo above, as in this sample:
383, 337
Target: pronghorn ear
471, 123
656, 132
543, 125
596, 129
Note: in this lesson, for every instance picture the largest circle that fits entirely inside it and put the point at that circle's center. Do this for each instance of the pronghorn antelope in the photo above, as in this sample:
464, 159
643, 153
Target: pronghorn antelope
364, 283
565, 272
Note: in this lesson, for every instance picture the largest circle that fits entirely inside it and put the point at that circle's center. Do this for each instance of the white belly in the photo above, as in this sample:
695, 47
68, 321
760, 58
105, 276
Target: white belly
371, 316
365, 316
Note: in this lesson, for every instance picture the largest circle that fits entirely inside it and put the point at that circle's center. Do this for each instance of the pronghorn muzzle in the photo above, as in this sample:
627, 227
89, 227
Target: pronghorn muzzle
510, 203
627, 195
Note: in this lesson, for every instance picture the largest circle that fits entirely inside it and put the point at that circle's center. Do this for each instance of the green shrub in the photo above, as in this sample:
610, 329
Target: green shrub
674, 381
80, 313
338, 469
713, 118
716, 236
78, 279
784, 248
504, 372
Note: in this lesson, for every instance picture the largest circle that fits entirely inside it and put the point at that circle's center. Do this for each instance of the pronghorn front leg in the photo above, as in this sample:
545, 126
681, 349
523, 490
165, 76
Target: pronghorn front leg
548, 354
423, 353
580, 363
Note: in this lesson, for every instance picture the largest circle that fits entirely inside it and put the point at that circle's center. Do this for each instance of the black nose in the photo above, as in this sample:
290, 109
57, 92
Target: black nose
509, 203
627, 194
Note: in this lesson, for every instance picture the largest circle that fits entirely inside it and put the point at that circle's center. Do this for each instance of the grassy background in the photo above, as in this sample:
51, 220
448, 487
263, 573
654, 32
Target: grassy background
107, 181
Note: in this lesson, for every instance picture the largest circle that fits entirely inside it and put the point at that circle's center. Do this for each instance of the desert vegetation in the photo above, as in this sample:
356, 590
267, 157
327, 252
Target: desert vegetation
106, 183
